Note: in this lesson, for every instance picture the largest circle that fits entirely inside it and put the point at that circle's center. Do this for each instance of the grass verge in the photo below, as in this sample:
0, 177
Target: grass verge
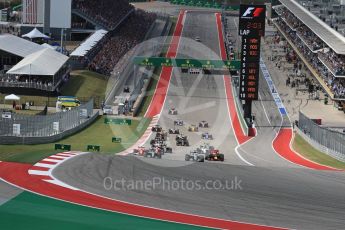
97, 133
84, 83
305, 149
46, 213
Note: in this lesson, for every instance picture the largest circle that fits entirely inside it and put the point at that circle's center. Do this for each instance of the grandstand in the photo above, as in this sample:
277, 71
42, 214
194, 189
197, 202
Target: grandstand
331, 12
87, 50
322, 47
75, 19
131, 33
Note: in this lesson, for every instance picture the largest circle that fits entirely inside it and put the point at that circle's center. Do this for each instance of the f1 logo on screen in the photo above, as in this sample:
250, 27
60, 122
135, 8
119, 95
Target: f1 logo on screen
253, 12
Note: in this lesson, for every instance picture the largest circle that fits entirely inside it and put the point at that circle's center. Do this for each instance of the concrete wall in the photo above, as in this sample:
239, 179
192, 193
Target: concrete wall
47, 139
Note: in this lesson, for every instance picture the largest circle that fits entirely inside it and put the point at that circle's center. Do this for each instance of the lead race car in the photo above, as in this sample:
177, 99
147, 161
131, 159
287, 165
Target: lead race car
195, 156
205, 148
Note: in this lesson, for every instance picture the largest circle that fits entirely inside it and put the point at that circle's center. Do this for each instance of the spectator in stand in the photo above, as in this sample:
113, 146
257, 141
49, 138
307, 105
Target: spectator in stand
296, 31
334, 61
131, 33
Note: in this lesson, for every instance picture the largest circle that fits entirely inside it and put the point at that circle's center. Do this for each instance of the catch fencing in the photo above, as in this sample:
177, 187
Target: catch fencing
325, 139
38, 126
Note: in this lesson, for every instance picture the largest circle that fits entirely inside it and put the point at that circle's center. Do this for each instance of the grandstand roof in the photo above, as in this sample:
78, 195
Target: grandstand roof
331, 37
18, 46
89, 43
44, 62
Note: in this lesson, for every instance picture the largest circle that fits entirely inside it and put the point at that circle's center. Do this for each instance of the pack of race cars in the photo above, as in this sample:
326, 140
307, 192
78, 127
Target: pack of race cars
159, 146
204, 152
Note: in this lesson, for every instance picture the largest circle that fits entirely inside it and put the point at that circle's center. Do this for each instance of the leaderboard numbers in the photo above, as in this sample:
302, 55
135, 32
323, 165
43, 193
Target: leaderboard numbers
252, 27
250, 59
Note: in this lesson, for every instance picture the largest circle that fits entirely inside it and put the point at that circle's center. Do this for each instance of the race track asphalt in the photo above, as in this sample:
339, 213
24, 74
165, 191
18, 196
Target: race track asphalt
274, 192
199, 97
299, 198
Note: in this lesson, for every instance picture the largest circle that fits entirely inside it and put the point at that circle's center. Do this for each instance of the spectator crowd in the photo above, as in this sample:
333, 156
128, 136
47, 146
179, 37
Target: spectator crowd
308, 43
108, 13
26, 81
130, 34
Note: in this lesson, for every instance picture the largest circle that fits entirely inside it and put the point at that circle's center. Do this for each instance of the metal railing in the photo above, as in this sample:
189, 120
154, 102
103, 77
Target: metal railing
20, 125
333, 141
31, 85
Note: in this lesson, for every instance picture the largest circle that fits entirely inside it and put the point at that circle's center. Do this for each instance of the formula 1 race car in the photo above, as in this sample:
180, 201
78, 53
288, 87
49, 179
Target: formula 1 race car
203, 124
165, 148
194, 156
214, 155
162, 145
173, 111
140, 151
182, 140
193, 128
156, 141
156, 128
178, 122
126, 89
205, 149
174, 131
206, 136
161, 135
154, 153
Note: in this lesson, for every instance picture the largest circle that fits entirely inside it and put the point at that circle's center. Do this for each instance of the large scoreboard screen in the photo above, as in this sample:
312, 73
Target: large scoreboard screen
251, 28
252, 20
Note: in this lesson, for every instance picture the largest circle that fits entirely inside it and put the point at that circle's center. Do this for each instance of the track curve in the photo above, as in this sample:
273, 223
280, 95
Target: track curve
300, 198
275, 192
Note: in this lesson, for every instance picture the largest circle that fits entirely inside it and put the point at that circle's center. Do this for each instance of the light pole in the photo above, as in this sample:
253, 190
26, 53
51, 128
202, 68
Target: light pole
62, 33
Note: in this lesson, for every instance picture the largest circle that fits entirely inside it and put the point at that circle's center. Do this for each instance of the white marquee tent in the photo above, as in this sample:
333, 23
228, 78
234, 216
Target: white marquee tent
35, 33
45, 62
18, 46
12, 97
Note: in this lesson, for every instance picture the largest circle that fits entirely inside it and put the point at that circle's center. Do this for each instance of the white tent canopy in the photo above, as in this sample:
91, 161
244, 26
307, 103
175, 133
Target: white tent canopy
12, 97
35, 33
89, 43
44, 63
18, 46
46, 45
